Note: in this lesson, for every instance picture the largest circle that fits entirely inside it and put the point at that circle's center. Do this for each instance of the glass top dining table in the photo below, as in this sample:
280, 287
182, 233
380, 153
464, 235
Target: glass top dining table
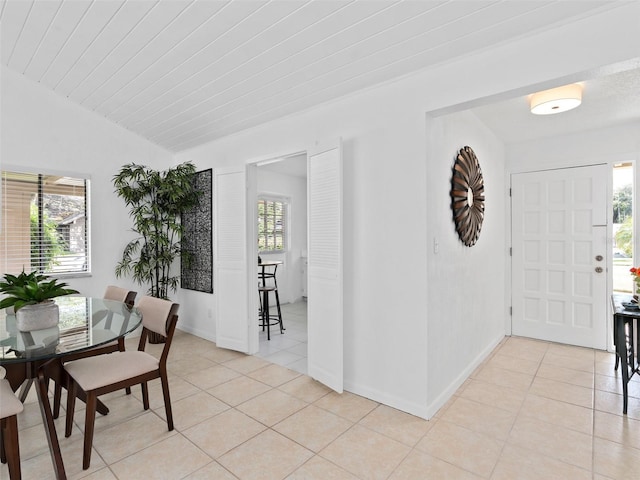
85, 323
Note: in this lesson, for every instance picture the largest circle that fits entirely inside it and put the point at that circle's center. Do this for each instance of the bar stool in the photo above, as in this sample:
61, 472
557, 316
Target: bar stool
263, 293
267, 320
10, 407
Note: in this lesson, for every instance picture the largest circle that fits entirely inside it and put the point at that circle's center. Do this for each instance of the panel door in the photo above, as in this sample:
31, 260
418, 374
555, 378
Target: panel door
324, 274
559, 239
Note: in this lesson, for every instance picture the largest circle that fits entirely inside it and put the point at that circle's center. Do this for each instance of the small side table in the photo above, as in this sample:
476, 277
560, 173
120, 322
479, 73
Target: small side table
626, 338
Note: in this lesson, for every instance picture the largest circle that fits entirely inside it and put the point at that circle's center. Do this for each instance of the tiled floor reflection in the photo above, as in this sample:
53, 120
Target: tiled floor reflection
533, 410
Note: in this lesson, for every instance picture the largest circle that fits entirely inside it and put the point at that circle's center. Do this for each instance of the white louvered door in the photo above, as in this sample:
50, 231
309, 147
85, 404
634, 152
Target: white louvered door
231, 281
324, 274
559, 235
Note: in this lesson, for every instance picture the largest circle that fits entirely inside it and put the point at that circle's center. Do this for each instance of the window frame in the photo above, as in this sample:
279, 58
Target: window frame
47, 172
286, 206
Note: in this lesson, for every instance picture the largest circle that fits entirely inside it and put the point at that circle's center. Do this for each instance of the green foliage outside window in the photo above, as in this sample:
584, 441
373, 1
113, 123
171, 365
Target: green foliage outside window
45, 248
622, 203
271, 225
624, 237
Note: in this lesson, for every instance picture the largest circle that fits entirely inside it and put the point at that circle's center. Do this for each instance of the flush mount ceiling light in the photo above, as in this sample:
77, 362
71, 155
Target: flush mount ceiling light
556, 100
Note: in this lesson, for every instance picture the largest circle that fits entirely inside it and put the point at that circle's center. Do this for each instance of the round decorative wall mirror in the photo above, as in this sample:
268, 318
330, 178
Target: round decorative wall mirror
467, 196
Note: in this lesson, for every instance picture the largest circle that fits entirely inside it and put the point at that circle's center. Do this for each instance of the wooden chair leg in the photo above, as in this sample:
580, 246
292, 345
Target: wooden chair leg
57, 395
121, 348
145, 395
3, 453
167, 400
90, 420
71, 405
11, 446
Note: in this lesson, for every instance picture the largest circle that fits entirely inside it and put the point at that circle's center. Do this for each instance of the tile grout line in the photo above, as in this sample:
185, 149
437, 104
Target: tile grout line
504, 444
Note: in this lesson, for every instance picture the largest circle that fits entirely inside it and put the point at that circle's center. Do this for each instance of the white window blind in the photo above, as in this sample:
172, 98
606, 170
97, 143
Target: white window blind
272, 216
44, 223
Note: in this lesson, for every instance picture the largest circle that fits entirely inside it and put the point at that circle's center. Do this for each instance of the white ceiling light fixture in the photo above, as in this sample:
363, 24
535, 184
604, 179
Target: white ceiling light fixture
556, 100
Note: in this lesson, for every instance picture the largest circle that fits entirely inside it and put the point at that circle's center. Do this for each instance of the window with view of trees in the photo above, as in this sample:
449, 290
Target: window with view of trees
272, 215
623, 256
44, 223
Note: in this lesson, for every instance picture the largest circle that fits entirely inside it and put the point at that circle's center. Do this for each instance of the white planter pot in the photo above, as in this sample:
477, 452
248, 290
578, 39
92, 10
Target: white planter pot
38, 316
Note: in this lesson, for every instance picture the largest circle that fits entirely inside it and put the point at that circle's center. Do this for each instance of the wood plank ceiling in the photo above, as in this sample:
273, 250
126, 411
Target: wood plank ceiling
181, 73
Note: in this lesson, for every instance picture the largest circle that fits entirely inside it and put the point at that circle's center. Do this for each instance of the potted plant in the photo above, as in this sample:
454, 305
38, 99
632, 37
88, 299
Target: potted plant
156, 200
30, 295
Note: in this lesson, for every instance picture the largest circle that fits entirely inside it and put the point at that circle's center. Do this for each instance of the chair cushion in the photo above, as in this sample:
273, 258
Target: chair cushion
9, 403
95, 372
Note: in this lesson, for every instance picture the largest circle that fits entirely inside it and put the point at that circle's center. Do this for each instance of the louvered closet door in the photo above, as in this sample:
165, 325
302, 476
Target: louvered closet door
231, 283
324, 275
559, 255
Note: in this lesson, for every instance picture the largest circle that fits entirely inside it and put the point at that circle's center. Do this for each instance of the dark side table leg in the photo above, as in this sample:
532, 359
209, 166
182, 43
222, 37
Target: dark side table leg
621, 353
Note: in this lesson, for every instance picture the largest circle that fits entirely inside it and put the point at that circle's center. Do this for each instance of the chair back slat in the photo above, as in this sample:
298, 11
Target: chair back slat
155, 313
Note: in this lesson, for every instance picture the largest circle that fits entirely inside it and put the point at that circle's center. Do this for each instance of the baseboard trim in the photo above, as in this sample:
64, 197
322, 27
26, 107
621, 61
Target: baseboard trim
433, 407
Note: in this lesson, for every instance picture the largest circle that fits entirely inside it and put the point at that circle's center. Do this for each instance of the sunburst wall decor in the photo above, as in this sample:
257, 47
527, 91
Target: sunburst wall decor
467, 196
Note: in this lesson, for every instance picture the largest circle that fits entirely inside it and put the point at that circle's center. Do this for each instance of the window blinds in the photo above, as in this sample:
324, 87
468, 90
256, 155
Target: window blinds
44, 223
271, 225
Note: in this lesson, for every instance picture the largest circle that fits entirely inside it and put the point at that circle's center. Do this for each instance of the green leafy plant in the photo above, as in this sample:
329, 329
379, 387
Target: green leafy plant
30, 288
624, 237
46, 245
156, 200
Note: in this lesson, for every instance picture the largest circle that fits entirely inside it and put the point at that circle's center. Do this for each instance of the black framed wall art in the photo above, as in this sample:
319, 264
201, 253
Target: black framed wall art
196, 270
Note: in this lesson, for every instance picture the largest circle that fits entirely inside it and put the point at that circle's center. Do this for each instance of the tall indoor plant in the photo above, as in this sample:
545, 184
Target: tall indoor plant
156, 200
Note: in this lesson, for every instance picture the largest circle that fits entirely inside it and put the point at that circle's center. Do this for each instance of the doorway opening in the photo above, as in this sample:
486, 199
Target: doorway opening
282, 238
623, 254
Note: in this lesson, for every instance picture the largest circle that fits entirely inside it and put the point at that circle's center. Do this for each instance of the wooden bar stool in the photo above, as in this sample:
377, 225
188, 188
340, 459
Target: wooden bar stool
10, 407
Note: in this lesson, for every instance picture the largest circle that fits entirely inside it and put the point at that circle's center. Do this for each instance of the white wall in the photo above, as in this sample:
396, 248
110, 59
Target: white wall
44, 131
615, 144
295, 190
466, 297
384, 238
402, 339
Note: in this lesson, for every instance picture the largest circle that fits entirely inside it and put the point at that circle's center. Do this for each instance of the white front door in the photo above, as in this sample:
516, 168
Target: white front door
324, 273
559, 241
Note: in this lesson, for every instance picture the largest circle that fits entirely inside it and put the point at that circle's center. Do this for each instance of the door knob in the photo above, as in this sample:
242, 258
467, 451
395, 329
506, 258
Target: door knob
599, 258
598, 269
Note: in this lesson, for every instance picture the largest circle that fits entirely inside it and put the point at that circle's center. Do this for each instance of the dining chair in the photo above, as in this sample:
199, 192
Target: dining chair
117, 294
10, 407
107, 373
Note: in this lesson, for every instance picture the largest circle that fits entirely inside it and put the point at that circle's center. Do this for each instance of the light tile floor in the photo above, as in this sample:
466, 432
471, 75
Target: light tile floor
288, 349
532, 410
